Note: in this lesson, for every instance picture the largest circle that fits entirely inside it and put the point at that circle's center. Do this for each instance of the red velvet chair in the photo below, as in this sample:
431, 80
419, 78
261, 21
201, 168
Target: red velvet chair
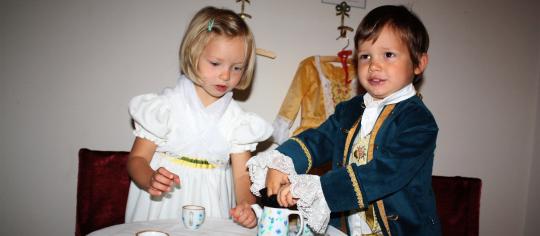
103, 186
102, 189
458, 204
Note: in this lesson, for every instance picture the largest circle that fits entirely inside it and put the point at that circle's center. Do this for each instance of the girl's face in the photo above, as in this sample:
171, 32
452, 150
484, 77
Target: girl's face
221, 65
385, 66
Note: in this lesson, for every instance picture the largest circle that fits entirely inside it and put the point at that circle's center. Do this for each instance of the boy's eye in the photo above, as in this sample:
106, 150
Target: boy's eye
389, 54
363, 57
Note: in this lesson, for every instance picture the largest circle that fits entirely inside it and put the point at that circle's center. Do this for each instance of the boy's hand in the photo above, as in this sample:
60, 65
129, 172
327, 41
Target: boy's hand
244, 215
162, 181
274, 180
284, 197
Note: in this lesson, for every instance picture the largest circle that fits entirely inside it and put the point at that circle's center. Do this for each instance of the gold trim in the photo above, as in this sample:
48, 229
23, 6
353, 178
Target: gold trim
356, 186
306, 152
382, 212
384, 114
350, 135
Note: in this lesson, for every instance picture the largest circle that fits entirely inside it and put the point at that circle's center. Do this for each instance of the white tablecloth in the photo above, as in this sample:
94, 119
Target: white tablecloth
211, 226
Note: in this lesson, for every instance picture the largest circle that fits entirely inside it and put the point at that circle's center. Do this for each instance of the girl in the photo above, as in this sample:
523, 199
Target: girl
381, 145
193, 141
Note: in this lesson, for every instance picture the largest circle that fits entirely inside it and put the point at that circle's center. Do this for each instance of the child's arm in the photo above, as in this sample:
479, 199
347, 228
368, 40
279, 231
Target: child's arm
242, 213
155, 182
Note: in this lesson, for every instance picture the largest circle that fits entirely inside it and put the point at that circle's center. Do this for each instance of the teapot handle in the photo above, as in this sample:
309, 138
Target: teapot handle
301, 230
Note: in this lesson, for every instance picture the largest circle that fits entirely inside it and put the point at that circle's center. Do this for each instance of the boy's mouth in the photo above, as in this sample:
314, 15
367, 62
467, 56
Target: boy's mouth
376, 81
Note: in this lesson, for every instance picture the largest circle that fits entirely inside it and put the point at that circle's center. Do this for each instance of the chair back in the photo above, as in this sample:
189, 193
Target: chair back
102, 190
458, 204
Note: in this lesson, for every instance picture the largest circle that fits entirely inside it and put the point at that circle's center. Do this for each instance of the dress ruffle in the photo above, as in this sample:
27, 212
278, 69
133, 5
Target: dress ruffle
151, 115
248, 131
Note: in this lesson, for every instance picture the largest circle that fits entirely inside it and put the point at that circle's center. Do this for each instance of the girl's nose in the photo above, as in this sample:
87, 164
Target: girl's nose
225, 75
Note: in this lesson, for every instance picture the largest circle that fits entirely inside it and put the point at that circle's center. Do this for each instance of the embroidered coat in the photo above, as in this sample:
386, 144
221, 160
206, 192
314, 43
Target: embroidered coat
397, 177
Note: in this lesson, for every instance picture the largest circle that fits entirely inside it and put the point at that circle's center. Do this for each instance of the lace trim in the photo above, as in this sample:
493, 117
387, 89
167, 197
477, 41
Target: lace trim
311, 202
306, 152
259, 164
141, 133
238, 148
307, 188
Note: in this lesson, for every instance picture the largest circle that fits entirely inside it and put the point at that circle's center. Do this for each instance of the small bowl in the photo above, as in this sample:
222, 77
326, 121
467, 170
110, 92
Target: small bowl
151, 233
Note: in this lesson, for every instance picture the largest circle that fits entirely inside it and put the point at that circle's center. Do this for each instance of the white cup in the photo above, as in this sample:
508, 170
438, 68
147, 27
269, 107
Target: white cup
193, 216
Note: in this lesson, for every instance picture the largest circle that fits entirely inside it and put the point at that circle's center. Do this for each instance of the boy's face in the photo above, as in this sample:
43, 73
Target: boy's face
385, 66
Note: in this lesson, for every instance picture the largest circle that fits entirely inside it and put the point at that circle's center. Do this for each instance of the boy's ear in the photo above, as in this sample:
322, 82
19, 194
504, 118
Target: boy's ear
422, 64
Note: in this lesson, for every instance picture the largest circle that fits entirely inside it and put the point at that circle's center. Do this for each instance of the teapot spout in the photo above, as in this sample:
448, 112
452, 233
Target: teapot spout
257, 209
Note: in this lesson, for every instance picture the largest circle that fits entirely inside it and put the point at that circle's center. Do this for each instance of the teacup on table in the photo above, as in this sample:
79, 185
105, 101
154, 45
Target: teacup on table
193, 216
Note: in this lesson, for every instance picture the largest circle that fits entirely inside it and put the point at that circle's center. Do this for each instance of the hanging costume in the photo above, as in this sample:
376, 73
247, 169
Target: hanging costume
316, 89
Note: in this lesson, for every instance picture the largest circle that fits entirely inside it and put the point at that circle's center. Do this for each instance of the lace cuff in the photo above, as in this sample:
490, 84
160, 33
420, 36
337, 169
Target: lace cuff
259, 164
311, 202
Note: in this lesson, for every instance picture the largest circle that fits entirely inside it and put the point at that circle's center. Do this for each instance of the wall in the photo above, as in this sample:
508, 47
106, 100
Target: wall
533, 207
69, 68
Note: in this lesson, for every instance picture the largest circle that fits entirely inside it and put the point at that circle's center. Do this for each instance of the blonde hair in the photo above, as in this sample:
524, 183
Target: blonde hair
210, 22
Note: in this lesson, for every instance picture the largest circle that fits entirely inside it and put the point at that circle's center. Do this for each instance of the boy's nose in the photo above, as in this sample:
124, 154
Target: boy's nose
374, 66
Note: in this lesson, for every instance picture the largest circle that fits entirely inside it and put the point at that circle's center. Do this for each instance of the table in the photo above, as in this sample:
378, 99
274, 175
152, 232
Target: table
211, 226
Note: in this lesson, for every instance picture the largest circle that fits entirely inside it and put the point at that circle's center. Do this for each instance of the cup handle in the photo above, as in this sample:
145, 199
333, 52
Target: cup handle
301, 230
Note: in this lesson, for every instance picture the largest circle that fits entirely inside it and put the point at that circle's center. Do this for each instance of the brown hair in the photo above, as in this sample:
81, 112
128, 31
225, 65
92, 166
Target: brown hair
210, 22
403, 21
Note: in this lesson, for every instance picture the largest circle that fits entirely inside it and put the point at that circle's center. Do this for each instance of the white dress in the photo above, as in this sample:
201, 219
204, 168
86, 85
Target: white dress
181, 126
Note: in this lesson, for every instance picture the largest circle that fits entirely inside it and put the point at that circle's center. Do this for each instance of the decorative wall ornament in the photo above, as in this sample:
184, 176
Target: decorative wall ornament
258, 51
242, 7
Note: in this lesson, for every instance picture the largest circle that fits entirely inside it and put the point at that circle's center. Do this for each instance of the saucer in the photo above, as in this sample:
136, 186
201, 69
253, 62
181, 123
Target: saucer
151, 233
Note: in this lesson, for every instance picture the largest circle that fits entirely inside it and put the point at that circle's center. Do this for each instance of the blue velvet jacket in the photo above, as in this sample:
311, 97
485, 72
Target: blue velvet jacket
397, 178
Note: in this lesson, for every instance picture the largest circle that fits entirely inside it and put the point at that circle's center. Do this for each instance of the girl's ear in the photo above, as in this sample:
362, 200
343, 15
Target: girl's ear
422, 64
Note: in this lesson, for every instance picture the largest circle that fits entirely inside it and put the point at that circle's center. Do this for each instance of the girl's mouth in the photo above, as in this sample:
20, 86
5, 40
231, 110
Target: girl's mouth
221, 88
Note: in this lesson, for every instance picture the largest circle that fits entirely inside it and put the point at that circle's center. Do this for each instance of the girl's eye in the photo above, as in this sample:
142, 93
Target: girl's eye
214, 63
389, 54
238, 68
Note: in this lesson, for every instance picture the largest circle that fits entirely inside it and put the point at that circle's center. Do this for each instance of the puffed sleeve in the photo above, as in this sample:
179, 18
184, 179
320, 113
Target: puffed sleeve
150, 113
248, 131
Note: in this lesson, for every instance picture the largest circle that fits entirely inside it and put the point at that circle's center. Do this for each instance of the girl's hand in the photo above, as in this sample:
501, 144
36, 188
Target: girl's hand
284, 197
162, 181
244, 215
274, 180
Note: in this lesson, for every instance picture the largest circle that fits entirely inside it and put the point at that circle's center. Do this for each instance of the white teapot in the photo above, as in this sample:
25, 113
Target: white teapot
275, 221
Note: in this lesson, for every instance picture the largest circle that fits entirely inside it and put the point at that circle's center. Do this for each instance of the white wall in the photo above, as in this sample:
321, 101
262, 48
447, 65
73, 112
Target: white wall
68, 69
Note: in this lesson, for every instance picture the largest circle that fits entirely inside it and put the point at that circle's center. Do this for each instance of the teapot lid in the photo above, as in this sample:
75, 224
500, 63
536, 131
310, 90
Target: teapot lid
271, 201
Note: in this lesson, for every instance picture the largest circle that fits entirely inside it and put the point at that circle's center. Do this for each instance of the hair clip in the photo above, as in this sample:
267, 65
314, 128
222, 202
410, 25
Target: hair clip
210, 24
